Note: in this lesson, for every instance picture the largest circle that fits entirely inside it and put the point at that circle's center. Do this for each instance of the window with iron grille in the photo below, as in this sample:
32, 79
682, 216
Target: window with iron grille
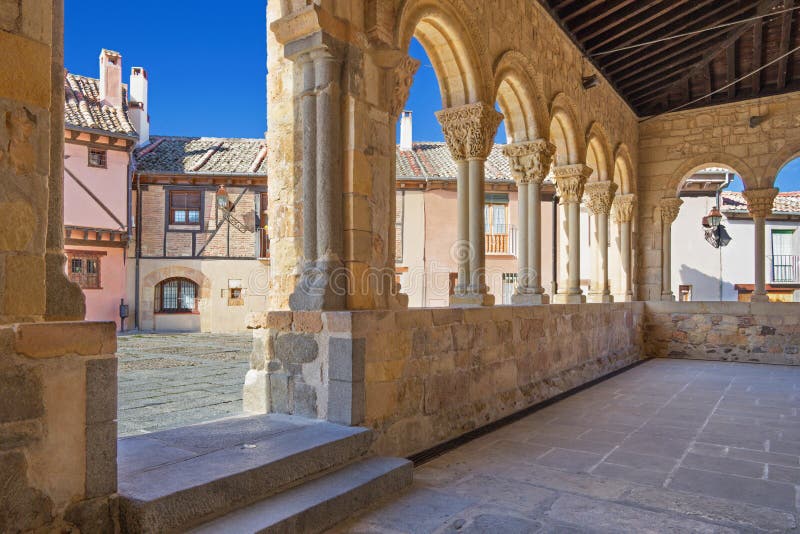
98, 158
184, 207
176, 295
84, 269
509, 285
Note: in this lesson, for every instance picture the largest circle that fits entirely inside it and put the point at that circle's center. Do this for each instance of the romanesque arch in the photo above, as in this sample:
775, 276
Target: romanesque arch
784, 156
698, 163
598, 154
564, 132
623, 170
520, 99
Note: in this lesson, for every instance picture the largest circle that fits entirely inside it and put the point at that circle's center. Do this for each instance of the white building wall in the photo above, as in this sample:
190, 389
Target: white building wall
412, 282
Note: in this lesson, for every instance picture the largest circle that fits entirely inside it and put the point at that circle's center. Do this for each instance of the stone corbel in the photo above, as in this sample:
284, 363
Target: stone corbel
403, 78
531, 160
469, 130
760, 201
600, 196
570, 181
670, 207
307, 28
623, 208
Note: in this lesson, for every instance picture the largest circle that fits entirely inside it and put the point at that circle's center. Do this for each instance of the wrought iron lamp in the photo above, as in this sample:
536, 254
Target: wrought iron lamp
226, 206
716, 235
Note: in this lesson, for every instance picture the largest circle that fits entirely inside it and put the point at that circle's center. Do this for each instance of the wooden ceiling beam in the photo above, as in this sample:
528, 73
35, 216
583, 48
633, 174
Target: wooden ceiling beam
731, 70
667, 62
758, 55
581, 10
621, 19
783, 47
635, 26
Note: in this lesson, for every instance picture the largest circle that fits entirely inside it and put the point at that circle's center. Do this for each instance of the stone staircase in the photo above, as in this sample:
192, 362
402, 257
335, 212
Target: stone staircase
269, 473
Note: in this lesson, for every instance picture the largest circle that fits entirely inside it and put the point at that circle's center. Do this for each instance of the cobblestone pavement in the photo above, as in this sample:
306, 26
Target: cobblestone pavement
668, 446
172, 380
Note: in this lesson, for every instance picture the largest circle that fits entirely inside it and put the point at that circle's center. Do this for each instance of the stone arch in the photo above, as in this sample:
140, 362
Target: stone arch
564, 132
147, 290
520, 100
698, 163
779, 161
598, 154
179, 271
448, 37
623, 170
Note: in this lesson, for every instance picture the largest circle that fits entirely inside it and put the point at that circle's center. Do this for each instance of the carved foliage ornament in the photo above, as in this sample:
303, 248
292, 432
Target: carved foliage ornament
670, 207
469, 130
403, 78
530, 161
600, 196
760, 201
570, 181
623, 208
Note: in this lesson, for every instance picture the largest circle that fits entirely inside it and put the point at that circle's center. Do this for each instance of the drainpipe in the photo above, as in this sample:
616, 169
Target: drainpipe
138, 248
719, 206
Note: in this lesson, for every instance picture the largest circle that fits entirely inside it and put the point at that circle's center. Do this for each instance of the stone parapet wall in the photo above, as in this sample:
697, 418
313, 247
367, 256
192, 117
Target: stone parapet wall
421, 377
725, 331
58, 430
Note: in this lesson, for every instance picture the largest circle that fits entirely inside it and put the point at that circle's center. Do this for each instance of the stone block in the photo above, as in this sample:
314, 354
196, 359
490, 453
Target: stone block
279, 392
304, 400
93, 516
24, 70
22, 396
296, 348
255, 392
101, 390
24, 275
19, 434
346, 402
50, 340
101, 459
307, 321
25, 508
337, 322
347, 358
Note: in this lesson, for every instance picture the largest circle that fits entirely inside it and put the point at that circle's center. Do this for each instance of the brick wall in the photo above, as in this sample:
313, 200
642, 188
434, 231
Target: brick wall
726, 331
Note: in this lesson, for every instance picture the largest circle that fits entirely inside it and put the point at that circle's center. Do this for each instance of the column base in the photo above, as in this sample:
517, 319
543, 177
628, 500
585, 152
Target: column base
566, 298
668, 296
623, 297
471, 300
530, 299
759, 298
600, 298
322, 286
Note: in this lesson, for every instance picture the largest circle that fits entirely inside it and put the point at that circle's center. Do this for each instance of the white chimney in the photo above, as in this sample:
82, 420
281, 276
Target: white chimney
137, 105
406, 131
111, 78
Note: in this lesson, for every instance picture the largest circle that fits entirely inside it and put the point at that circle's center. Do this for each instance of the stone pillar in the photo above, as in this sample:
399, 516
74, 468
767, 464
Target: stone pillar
323, 281
759, 203
600, 198
469, 132
530, 162
623, 216
570, 182
669, 212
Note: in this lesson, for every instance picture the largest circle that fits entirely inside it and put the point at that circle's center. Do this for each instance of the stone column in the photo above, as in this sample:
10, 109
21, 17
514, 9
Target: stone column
600, 198
623, 216
530, 162
570, 182
759, 203
469, 132
322, 284
669, 212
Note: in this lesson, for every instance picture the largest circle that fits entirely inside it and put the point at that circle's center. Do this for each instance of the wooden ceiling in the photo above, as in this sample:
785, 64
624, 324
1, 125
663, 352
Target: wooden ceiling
670, 73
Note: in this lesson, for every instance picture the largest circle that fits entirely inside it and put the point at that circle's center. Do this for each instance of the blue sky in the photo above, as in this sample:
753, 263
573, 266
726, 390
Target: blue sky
206, 66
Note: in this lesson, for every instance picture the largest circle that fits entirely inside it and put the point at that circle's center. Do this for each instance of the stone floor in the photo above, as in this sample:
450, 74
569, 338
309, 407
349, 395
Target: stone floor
172, 380
669, 446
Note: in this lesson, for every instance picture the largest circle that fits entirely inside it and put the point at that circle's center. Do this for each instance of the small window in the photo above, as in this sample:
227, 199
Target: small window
84, 269
176, 295
235, 293
184, 207
509, 286
97, 158
685, 293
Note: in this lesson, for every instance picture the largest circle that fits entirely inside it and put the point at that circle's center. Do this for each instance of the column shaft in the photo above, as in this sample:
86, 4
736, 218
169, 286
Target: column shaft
666, 261
760, 293
523, 218
625, 258
574, 233
535, 238
477, 231
602, 243
329, 183
462, 246
309, 178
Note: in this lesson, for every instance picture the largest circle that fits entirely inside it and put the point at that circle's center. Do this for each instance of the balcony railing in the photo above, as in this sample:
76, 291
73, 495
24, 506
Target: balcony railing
501, 240
785, 269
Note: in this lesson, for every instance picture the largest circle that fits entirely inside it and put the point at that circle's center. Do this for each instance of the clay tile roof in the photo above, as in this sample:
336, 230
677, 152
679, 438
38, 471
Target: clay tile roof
787, 203
84, 109
433, 161
202, 155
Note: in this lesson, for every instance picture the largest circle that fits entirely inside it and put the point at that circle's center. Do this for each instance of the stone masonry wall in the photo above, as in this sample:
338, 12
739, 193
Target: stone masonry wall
765, 332
58, 409
421, 377
675, 145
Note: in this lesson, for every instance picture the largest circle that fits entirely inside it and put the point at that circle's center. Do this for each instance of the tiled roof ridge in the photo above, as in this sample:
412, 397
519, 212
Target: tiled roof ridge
205, 138
83, 109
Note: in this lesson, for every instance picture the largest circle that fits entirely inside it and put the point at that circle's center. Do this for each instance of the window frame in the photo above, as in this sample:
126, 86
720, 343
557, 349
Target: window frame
101, 153
187, 207
158, 301
84, 278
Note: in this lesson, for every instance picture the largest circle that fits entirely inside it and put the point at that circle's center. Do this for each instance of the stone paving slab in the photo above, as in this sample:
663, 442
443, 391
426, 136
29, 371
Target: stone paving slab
173, 380
668, 446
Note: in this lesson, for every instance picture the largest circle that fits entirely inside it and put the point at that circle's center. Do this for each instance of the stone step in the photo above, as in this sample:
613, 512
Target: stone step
321, 503
179, 478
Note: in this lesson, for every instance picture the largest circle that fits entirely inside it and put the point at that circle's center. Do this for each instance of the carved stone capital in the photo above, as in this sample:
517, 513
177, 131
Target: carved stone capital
570, 181
403, 78
623, 208
760, 201
530, 161
469, 130
600, 196
670, 207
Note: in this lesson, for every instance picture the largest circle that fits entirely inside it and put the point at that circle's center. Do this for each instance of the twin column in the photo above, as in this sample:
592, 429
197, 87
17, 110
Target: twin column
570, 182
530, 162
623, 216
670, 207
759, 203
600, 199
469, 132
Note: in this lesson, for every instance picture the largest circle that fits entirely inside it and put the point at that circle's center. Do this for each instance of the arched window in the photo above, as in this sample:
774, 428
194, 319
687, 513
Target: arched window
176, 295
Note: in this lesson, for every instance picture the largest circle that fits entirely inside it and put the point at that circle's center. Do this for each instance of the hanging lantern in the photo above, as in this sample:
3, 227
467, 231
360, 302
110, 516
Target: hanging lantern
222, 198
